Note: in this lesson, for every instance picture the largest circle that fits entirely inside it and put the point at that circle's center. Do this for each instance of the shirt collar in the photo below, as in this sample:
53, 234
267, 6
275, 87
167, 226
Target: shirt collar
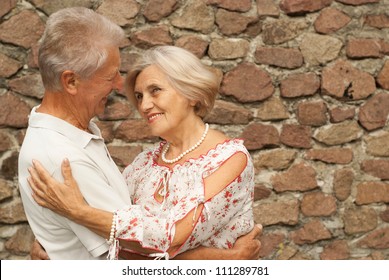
78, 136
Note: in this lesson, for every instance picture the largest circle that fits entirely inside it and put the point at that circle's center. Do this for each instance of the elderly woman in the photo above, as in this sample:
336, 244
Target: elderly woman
194, 188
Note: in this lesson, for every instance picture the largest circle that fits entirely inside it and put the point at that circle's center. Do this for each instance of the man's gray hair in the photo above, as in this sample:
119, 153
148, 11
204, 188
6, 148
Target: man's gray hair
75, 39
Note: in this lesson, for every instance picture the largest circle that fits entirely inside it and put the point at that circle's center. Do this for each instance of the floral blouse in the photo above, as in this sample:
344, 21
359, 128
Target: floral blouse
151, 222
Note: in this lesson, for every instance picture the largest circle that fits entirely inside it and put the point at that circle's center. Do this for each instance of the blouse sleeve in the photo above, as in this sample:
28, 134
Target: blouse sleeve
230, 209
226, 216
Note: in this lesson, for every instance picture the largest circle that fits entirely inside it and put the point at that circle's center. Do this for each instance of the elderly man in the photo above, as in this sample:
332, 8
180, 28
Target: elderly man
79, 61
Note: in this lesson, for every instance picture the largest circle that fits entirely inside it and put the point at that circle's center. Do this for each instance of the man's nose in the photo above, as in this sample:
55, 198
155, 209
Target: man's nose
119, 84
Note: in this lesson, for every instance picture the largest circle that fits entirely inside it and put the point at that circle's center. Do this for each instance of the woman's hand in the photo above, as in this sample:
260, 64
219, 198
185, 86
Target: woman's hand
62, 198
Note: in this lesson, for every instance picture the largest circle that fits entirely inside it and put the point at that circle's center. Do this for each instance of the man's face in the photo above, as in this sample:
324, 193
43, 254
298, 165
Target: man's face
93, 93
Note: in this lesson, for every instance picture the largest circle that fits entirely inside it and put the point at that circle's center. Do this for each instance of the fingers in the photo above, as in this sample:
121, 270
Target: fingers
41, 171
66, 172
256, 231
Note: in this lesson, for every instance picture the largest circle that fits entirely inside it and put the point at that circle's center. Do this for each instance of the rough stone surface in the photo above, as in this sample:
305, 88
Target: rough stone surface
5, 190
338, 114
11, 117
298, 7
377, 21
336, 134
343, 81
9, 66
221, 49
282, 57
194, 44
299, 85
301, 177
383, 76
378, 239
271, 243
331, 155
278, 212
155, 36
267, 8
277, 159
363, 48
376, 167
311, 232
330, 20
320, 49
272, 109
374, 113
229, 113
133, 130
247, 83
357, 220
233, 23
121, 12
261, 192
23, 29
337, 250
195, 15
281, 31
357, 2
12, 213
343, 180
312, 113
318, 204
232, 5
377, 145
297, 136
258, 136
21, 242
372, 192
155, 10
28, 85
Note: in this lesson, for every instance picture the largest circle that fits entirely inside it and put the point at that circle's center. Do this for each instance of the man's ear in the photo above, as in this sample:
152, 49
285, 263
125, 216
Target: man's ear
69, 81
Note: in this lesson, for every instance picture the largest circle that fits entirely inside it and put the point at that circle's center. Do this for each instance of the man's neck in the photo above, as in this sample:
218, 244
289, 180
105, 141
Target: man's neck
55, 104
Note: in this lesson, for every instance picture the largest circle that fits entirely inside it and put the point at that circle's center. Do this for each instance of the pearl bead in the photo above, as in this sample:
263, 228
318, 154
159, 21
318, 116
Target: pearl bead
163, 155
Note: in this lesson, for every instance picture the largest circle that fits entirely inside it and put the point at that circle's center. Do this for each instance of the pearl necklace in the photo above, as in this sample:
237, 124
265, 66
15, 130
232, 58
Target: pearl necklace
163, 155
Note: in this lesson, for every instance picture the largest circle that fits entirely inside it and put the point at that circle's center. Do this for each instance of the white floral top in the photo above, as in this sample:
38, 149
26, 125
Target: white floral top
151, 222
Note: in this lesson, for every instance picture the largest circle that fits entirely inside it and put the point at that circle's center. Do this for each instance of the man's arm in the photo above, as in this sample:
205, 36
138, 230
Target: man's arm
246, 247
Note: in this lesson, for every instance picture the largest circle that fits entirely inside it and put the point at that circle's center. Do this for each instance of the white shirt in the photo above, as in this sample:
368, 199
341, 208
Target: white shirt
50, 140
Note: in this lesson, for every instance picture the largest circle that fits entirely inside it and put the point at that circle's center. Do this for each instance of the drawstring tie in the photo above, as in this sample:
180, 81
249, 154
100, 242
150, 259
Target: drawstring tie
159, 256
163, 191
201, 200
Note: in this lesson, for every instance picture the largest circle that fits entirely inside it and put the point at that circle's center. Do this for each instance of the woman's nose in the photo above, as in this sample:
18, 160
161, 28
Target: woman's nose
146, 103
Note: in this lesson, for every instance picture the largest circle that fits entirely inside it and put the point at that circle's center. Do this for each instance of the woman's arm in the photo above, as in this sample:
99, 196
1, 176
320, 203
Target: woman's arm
67, 200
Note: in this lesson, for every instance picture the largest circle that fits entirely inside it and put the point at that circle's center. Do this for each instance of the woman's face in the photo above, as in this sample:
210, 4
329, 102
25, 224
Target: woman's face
163, 107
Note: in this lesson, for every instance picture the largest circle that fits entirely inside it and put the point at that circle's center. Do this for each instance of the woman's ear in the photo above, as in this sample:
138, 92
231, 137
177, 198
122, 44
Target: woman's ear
69, 81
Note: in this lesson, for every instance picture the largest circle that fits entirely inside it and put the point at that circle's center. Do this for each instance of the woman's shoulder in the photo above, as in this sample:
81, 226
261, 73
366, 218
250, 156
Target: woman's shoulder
221, 145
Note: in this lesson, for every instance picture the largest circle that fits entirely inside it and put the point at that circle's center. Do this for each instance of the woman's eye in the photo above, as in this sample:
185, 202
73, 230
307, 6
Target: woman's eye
154, 90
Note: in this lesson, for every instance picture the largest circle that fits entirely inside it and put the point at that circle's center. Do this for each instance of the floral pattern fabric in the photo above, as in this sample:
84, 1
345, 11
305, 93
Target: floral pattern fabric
151, 222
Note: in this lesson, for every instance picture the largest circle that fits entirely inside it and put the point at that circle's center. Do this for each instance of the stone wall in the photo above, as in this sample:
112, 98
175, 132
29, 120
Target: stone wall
306, 84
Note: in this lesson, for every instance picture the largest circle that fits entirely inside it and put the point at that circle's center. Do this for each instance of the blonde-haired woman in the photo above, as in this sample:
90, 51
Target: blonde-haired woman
193, 188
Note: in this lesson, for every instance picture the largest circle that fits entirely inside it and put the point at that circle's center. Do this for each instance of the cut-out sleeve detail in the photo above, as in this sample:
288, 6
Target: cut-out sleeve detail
223, 218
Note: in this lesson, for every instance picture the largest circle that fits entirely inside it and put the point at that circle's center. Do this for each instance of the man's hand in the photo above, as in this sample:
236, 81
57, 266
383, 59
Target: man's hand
37, 252
247, 247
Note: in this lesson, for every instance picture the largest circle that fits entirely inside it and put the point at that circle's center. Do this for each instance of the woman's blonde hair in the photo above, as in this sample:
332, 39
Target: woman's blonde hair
185, 72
